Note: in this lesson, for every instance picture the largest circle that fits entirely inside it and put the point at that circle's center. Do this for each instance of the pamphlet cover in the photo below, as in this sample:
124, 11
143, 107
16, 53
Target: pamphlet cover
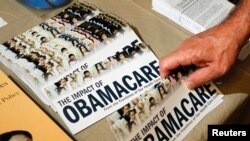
167, 110
21, 118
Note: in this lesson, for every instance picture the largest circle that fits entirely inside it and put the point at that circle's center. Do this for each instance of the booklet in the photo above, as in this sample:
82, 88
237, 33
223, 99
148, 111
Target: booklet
166, 111
21, 118
86, 64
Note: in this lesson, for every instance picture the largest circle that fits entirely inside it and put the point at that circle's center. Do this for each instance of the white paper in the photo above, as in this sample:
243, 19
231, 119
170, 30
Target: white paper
2, 22
195, 16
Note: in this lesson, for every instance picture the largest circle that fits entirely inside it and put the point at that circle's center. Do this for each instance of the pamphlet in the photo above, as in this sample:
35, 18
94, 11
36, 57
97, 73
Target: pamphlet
166, 111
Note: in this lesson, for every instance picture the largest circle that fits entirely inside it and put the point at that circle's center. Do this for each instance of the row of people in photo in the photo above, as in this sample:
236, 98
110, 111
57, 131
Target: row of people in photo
78, 79
101, 27
40, 63
34, 63
74, 15
33, 38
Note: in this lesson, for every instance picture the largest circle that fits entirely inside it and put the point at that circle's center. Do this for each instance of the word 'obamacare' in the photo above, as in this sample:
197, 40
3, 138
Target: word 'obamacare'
109, 93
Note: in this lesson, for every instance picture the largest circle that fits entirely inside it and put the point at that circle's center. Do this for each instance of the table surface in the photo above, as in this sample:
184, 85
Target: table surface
159, 32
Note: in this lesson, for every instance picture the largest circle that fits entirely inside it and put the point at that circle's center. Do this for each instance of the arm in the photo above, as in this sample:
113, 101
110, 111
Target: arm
213, 51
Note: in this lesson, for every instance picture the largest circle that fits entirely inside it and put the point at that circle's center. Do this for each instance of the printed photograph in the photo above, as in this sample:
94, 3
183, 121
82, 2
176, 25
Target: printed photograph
81, 78
52, 48
131, 116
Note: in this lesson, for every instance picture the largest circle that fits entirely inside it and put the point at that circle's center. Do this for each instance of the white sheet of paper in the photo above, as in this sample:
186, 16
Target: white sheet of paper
2, 22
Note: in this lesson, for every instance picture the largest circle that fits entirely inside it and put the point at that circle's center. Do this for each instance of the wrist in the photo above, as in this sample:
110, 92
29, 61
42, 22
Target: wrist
238, 23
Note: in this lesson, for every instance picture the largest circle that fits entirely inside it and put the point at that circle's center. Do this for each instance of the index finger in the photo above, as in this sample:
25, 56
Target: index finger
171, 62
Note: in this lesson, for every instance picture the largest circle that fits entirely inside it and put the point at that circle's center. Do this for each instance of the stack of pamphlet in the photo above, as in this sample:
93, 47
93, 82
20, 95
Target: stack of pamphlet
88, 64
194, 15
198, 15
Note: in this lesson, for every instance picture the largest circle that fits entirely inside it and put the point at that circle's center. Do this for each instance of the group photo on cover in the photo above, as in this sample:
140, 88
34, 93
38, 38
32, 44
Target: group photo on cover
131, 117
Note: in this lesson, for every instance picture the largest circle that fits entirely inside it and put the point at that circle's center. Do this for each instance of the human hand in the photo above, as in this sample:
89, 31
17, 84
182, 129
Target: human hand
213, 51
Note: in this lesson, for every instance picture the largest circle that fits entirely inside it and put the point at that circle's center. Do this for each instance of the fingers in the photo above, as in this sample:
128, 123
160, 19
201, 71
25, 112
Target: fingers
172, 61
168, 63
200, 76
